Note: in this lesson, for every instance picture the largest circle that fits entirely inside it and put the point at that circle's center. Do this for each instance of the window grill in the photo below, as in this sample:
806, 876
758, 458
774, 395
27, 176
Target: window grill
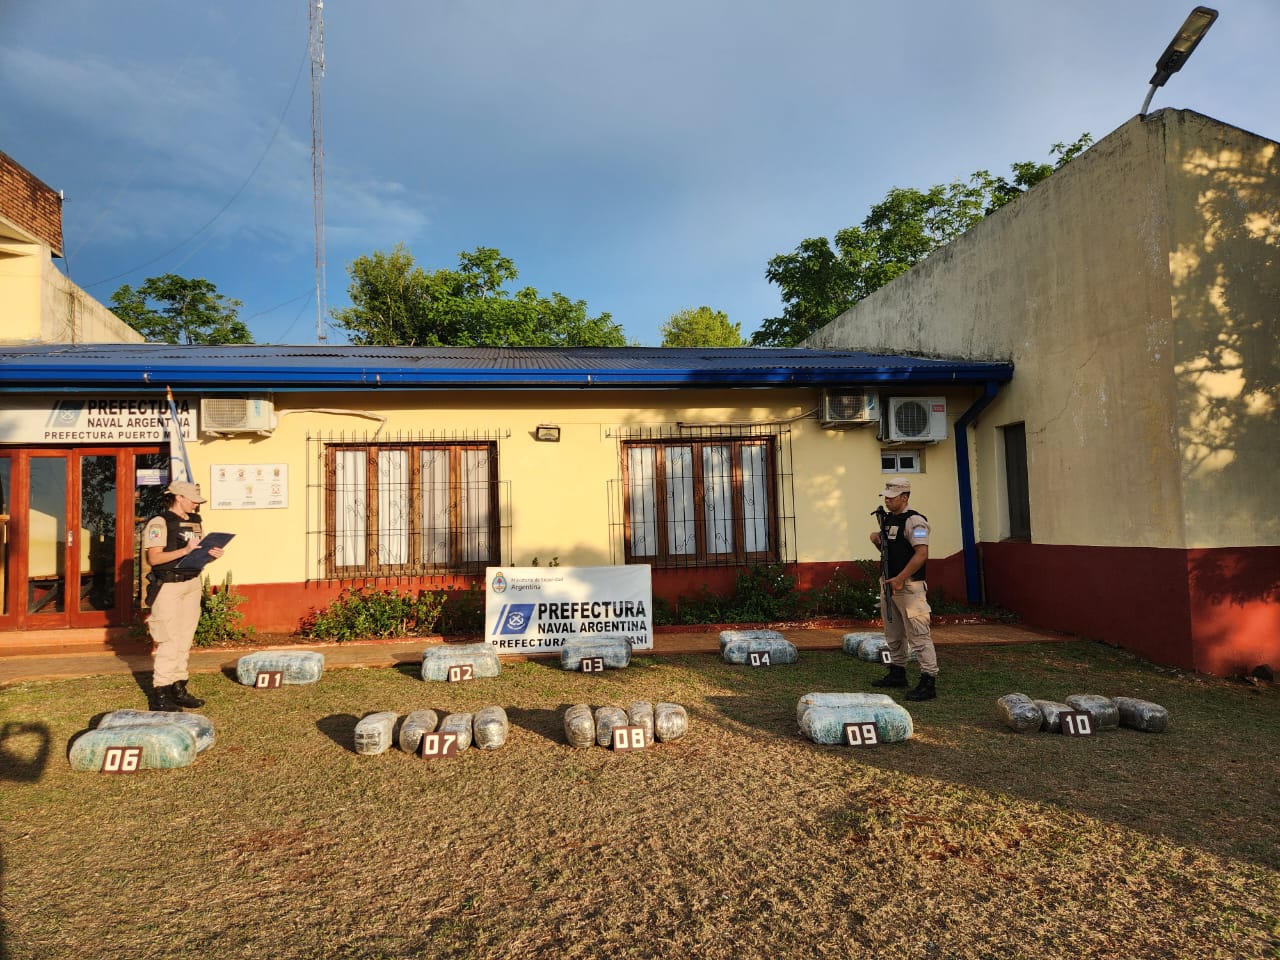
703, 495
405, 505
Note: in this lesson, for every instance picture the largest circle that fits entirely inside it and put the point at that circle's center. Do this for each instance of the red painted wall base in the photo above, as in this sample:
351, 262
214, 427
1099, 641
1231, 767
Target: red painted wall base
1212, 611
282, 607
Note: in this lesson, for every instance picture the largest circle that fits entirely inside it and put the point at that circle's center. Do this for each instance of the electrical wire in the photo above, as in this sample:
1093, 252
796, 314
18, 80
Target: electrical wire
227, 205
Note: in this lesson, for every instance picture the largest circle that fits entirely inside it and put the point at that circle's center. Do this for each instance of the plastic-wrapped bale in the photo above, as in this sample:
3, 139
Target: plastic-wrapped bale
480, 657
779, 648
295, 666
416, 726
164, 746
1051, 711
864, 646
459, 724
1142, 715
606, 719
1101, 710
670, 722
871, 646
490, 727
579, 726
822, 716
373, 733
1019, 712
640, 714
200, 726
612, 652
733, 636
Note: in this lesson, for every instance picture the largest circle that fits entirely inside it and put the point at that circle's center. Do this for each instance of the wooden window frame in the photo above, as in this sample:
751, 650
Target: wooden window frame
662, 556
415, 562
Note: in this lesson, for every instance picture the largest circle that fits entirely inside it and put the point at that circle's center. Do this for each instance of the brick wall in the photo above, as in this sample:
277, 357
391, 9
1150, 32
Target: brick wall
29, 204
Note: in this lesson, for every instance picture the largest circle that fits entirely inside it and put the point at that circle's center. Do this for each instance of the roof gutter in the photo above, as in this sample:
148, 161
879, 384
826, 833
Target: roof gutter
972, 573
92, 377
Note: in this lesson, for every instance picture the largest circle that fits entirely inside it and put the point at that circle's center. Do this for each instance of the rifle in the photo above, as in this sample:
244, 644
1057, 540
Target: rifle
886, 591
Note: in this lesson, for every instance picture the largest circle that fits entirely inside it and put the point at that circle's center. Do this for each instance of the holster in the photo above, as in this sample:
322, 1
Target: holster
153, 589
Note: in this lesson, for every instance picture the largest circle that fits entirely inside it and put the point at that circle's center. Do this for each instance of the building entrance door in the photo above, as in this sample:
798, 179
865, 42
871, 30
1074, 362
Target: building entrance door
69, 534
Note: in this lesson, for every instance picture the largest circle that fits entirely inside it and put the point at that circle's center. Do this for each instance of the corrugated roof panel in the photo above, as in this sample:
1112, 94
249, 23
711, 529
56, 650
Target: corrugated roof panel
232, 368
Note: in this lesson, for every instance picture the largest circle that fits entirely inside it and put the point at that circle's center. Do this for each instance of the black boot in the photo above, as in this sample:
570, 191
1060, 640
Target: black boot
162, 700
896, 677
183, 697
925, 689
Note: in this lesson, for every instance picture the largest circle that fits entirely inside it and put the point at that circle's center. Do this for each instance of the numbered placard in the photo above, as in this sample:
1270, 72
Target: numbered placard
886, 657
861, 735
121, 759
593, 664
628, 738
461, 671
435, 746
760, 660
268, 680
1076, 723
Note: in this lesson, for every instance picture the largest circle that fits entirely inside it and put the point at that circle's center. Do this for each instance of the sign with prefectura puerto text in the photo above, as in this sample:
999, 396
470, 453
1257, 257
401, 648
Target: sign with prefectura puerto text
90, 419
538, 609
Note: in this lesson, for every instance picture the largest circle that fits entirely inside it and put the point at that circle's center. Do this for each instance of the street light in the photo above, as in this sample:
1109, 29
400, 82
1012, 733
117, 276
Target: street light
1179, 50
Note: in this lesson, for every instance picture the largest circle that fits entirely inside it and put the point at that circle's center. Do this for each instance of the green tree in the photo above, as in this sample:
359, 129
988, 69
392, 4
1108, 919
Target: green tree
394, 302
702, 327
820, 280
174, 309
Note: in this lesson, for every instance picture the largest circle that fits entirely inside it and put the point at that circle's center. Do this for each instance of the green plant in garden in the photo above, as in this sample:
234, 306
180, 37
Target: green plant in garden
463, 611
220, 617
361, 612
843, 595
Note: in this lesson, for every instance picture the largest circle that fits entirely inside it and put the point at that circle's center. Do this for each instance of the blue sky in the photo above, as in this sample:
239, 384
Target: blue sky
645, 158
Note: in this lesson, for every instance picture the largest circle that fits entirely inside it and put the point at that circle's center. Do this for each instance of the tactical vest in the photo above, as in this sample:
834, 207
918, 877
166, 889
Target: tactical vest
898, 550
175, 527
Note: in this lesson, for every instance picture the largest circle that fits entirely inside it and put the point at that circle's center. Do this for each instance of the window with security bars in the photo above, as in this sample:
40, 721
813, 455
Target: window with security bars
410, 508
700, 502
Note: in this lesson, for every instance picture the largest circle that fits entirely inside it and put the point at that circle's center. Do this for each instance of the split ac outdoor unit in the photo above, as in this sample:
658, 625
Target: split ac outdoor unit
917, 418
237, 415
845, 407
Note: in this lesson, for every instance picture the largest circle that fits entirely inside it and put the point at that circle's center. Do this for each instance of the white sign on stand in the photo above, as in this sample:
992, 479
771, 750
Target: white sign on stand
538, 609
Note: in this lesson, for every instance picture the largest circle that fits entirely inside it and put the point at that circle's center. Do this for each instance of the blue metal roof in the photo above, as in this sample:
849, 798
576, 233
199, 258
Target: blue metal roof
233, 369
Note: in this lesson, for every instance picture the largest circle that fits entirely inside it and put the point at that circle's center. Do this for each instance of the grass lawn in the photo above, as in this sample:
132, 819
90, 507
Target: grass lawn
741, 840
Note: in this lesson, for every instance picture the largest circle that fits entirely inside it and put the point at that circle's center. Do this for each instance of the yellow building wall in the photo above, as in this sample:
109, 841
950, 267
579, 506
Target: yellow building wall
19, 291
564, 496
1086, 283
39, 304
1224, 261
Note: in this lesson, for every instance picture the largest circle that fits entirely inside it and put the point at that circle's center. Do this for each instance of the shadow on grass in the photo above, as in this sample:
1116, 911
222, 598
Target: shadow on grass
340, 728
548, 724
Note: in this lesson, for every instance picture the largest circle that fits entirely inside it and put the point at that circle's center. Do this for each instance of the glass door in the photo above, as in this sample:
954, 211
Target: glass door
47, 547
68, 538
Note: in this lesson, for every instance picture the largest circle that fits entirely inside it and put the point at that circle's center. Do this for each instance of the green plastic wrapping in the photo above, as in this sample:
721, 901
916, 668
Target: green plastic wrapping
164, 746
490, 728
1019, 712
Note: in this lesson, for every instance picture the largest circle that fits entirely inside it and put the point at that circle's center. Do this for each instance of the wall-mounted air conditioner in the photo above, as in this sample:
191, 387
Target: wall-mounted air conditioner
237, 415
917, 418
841, 408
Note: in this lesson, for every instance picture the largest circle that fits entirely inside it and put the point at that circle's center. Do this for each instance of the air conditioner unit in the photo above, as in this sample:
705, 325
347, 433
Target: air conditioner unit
844, 407
237, 415
917, 418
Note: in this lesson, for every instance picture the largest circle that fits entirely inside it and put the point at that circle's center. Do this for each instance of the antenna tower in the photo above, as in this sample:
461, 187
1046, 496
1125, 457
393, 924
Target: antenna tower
317, 157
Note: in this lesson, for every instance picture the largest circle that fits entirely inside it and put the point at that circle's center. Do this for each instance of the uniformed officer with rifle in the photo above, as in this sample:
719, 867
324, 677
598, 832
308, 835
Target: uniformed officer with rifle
903, 542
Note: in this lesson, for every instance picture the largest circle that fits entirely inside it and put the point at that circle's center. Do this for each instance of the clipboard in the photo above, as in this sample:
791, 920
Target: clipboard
200, 557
